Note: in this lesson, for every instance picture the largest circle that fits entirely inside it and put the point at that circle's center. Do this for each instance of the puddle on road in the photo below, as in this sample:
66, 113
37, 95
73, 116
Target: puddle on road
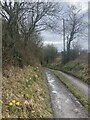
62, 103
54, 92
51, 81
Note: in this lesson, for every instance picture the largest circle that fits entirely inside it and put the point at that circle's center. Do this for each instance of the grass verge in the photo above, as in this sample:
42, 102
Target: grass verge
79, 95
25, 93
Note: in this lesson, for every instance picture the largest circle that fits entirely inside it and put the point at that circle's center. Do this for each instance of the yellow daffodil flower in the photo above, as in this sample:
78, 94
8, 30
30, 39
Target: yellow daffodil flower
17, 103
13, 101
36, 76
10, 103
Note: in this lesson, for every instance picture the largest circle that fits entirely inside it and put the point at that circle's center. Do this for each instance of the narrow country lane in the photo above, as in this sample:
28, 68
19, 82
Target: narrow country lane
64, 104
77, 82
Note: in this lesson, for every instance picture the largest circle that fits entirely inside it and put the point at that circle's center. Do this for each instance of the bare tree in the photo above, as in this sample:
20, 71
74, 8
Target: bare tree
38, 17
22, 22
11, 15
75, 26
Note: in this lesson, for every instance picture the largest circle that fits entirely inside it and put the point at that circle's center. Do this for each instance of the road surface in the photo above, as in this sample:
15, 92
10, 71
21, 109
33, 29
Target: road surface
77, 83
64, 104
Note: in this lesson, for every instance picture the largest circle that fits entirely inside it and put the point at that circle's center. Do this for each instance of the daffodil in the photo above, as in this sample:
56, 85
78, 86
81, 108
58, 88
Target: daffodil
10, 103
36, 76
13, 101
17, 103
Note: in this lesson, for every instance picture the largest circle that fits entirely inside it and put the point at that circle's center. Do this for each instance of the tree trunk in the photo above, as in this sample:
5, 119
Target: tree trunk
68, 50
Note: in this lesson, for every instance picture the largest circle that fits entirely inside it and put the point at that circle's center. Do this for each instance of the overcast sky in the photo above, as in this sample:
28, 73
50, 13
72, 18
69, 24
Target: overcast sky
50, 37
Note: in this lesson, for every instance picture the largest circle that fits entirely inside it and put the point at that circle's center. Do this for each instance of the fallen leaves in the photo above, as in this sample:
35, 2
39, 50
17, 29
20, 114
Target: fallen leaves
32, 100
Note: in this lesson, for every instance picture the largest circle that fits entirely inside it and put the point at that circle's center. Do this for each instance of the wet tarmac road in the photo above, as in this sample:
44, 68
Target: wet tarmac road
77, 82
64, 104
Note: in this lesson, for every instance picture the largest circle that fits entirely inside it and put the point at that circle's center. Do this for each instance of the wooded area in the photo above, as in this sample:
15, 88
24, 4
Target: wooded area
22, 23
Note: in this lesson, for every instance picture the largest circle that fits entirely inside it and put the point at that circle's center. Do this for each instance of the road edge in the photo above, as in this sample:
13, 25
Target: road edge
79, 95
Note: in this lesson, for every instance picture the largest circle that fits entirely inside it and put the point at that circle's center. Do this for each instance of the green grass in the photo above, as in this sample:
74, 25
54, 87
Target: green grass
81, 97
78, 69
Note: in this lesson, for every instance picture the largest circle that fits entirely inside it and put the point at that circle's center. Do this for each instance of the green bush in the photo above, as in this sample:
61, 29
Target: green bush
79, 67
69, 66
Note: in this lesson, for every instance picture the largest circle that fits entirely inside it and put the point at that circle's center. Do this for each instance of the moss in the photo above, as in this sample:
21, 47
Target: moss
81, 97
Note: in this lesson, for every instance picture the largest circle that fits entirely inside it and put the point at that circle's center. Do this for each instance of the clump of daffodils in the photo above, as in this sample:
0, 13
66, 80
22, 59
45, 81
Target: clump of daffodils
35, 77
30, 80
13, 106
36, 68
14, 102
